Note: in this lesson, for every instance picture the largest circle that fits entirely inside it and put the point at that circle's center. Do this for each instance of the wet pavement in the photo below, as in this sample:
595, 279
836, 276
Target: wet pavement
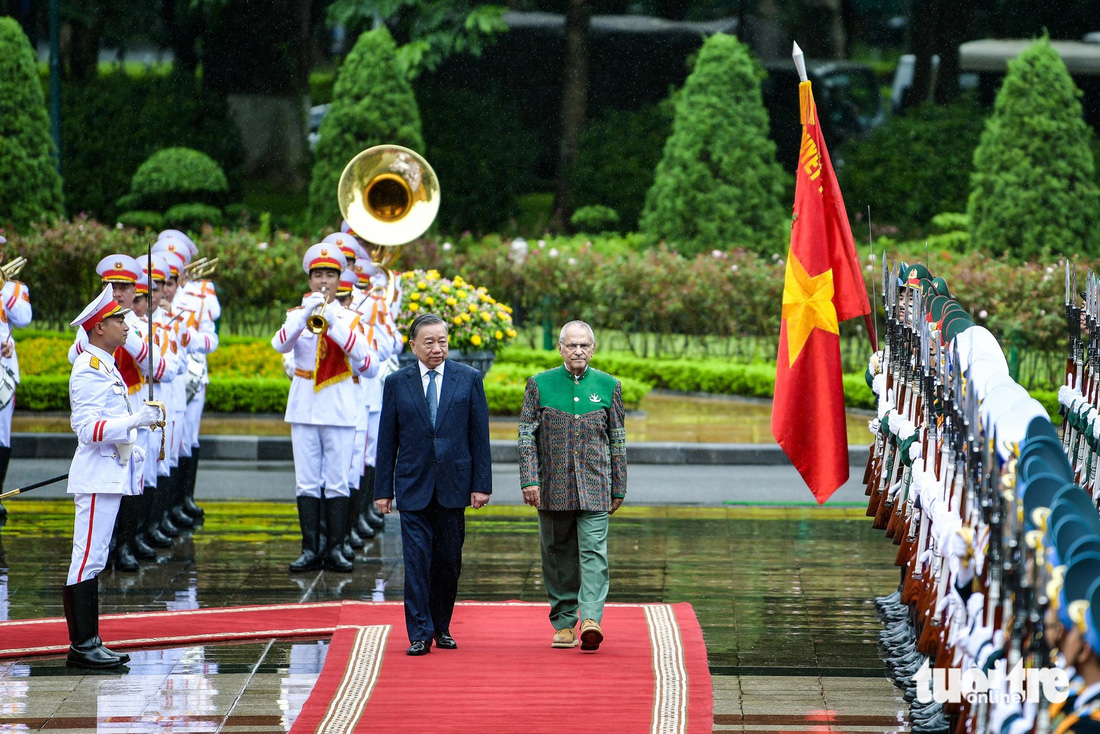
662, 416
783, 596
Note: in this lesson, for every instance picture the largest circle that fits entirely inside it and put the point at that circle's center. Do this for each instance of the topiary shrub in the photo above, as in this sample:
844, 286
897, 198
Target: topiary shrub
193, 216
914, 166
718, 185
595, 218
178, 176
1034, 190
142, 219
30, 187
373, 103
617, 157
105, 126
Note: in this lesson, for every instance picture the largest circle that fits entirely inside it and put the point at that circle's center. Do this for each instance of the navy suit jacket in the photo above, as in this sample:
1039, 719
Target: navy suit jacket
449, 460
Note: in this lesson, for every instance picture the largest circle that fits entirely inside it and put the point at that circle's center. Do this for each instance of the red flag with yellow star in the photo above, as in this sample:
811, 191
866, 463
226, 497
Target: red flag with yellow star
822, 287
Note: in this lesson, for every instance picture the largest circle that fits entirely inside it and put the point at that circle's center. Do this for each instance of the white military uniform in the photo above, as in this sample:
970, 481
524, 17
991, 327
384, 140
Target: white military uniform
384, 337
107, 463
201, 303
15, 313
323, 418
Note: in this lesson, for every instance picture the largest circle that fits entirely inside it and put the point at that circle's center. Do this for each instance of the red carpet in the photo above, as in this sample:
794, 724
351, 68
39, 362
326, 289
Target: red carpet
29, 637
650, 675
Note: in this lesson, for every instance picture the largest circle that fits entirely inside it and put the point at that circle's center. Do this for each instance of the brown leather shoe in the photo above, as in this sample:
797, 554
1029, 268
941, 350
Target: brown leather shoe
591, 635
565, 638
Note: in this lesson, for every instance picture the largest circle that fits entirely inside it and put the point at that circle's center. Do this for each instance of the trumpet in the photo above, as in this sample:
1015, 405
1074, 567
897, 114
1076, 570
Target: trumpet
316, 321
202, 268
11, 270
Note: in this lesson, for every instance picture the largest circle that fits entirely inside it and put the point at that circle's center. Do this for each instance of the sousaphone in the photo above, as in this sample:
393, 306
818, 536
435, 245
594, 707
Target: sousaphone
389, 196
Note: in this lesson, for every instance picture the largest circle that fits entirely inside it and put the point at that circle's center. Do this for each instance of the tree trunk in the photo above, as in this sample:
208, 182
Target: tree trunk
183, 28
256, 53
80, 51
574, 102
939, 26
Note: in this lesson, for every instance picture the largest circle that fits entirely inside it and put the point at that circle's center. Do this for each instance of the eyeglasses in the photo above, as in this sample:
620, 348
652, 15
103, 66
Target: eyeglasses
574, 346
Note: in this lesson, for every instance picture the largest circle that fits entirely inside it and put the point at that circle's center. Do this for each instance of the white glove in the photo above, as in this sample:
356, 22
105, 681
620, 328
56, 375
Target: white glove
147, 415
288, 365
138, 454
313, 301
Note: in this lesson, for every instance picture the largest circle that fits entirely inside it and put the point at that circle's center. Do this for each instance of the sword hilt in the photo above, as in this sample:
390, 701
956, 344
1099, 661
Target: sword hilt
160, 424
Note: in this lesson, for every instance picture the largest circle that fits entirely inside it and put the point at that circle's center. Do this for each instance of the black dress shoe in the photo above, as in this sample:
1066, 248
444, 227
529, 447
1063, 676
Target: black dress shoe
445, 642
418, 648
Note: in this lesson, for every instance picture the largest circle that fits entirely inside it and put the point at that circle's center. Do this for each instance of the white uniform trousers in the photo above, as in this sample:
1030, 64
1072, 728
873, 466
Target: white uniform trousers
358, 457
374, 418
173, 449
194, 416
152, 451
183, 435
321, 456
95, 521
5, 423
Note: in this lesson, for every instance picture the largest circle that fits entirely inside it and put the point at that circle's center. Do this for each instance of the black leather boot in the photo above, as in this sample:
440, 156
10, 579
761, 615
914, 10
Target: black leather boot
374, 518
5, 457
142, 550
354, 506
309, 519
81, 602
189, 505
124, 558
163, 499
179, 516
336, 513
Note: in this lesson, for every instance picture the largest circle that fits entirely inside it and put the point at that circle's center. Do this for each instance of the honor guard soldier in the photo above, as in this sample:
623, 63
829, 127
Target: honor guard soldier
328, 350
198, 301
383, 335
15, 313
106, 467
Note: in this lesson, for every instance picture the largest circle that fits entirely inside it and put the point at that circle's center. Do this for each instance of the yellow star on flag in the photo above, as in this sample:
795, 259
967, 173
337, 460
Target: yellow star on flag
807, 305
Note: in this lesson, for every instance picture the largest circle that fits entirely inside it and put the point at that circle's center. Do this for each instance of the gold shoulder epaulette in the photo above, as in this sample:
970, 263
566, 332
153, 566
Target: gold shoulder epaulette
94, 362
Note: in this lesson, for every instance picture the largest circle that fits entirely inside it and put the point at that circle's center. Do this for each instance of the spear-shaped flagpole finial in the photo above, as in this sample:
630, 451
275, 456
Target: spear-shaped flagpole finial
799, 62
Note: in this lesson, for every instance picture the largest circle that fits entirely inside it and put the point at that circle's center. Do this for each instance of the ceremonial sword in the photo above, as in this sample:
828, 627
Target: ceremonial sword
36, 485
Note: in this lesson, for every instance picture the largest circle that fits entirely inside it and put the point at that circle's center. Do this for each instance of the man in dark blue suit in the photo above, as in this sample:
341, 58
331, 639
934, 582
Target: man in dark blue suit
433, 456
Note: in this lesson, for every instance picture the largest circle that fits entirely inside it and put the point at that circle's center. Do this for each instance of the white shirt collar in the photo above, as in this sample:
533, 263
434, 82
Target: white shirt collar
424, 369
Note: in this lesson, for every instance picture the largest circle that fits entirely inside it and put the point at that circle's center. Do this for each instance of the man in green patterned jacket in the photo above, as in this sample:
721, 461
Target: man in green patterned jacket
572, 465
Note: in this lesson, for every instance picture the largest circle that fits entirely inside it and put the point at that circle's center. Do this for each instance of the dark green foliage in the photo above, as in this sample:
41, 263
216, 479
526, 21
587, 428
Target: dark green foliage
191, 217
114, 122
178, 176
617, 157
914, 166
595, 218
44, 392
1034, 189
718, 185
30, 187
141, 219
373, 103
244, 395
482, 155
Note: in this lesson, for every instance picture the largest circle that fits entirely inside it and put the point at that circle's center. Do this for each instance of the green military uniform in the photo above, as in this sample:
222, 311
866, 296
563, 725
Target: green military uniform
572, 446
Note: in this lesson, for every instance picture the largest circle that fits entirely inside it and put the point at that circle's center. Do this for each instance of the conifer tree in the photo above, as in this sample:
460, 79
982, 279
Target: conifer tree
718, 185
1033, 189
372, 103
30, 186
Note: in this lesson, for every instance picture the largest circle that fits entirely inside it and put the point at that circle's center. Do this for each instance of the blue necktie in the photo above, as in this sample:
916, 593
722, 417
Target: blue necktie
433, 398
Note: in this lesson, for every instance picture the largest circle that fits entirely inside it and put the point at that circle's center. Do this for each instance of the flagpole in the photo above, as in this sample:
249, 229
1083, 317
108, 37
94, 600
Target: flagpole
800, 64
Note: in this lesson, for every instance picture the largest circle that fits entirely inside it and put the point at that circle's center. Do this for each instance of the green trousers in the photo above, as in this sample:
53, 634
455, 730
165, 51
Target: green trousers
574, 564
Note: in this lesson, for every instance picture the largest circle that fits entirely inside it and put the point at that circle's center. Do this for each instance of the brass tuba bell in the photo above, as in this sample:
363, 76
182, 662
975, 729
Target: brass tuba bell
389, 195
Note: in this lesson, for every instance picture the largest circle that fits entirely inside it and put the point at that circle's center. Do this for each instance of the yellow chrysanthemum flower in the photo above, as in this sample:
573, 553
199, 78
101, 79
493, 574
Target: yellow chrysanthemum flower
461, 294
486, 316
452, 302
473, 307
445, 288
414, 296
475, 340
414, 306
428, 300
499, 334
422, 285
